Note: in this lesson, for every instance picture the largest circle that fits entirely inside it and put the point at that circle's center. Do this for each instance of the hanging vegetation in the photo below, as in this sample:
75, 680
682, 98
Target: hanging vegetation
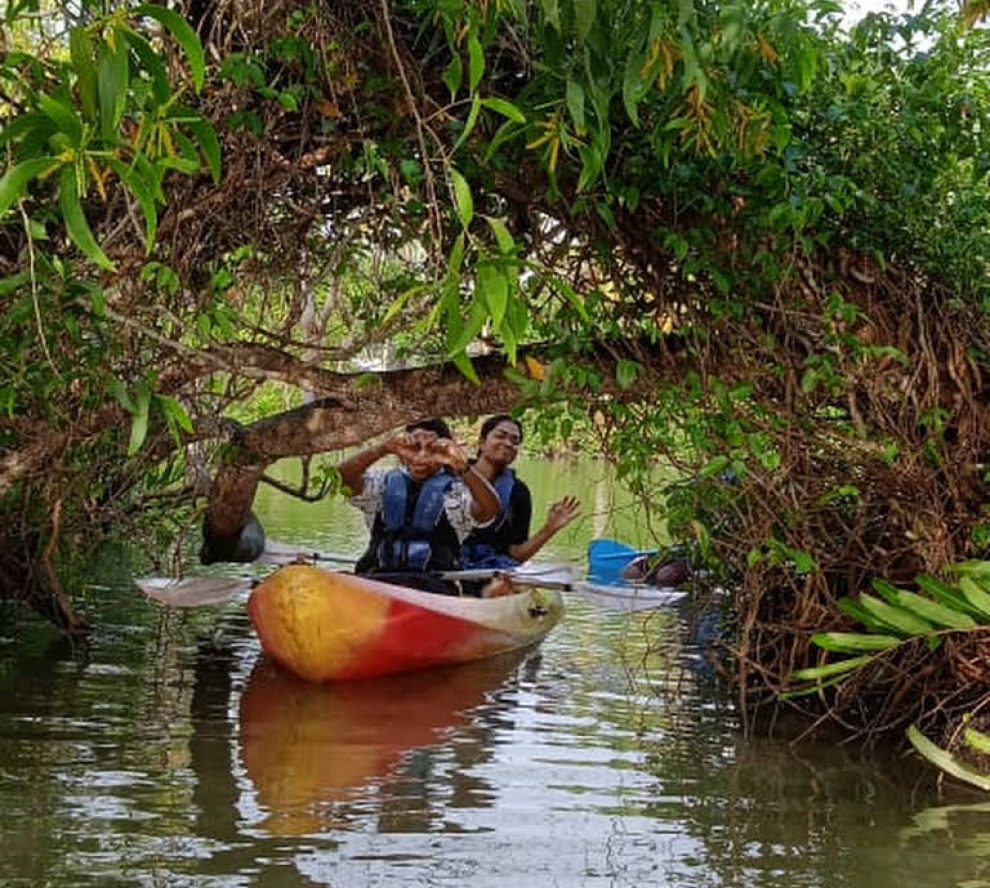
731, 235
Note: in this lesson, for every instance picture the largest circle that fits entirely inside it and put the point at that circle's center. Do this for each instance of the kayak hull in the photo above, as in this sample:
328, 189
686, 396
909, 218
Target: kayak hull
327, 626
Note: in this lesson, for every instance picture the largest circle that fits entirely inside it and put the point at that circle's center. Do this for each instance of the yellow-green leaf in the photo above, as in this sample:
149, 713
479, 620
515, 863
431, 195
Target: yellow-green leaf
977, 740
975, 595
851, 642
934, 612
505, 108
903, 621
832, 669
945, 761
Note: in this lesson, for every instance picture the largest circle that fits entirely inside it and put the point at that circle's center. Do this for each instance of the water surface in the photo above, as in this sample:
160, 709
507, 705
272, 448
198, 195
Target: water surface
174, 755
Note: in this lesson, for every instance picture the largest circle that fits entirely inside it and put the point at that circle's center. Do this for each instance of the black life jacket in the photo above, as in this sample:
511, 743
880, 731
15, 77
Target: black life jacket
411, 531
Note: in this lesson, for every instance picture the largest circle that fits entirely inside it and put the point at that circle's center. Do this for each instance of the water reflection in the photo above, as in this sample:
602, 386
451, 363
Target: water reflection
318, 755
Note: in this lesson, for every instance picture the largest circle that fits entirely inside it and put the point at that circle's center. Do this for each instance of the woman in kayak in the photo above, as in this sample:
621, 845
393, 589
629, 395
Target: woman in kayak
420, 513
505, 542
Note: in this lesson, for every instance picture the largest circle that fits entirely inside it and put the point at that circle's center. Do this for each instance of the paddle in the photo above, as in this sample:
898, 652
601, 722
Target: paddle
199, 591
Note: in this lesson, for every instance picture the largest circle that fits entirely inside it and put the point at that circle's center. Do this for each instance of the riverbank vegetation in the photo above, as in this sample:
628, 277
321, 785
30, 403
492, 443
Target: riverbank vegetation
740, 236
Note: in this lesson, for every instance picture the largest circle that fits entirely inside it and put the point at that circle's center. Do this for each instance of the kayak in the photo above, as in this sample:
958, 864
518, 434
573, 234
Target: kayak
325, 626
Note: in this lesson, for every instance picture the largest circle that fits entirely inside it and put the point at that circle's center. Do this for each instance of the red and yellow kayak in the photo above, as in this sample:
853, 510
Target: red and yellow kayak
327, 626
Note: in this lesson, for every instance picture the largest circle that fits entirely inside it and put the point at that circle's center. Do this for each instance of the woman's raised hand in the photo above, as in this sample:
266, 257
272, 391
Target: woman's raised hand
562, 513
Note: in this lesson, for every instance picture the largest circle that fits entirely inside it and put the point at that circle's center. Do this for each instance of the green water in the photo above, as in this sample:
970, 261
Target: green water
172, 755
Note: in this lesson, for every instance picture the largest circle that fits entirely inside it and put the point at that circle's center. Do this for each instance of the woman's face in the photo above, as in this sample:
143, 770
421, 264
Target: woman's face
501, 445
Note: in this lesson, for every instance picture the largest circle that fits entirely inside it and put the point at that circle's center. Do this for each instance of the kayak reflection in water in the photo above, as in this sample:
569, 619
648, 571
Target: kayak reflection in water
505, 542
418, 514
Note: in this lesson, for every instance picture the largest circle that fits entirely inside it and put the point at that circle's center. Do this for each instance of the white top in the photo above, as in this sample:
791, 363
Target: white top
456, 503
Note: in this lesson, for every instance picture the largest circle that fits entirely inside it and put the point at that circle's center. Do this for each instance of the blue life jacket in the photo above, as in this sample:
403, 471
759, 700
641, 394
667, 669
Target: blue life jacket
405, 540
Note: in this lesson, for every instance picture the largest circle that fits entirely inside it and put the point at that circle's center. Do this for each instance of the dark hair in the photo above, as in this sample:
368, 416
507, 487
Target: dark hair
436, 425
489, 424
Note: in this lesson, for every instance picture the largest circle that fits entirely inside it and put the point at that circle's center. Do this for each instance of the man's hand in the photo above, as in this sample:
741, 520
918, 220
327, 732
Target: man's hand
449, 453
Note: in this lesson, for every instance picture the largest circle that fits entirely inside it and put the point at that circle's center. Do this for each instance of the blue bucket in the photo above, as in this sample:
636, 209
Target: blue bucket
606, 558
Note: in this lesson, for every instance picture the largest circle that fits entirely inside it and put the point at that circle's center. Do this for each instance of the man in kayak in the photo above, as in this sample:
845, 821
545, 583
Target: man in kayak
506, 542
420, 513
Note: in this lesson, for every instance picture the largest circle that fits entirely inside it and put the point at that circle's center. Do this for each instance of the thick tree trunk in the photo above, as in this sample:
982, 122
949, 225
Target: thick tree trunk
392, 399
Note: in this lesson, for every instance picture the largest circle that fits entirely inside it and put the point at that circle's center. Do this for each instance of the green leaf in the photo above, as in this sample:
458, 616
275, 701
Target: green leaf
715, 465
945, 594
174, 412
209, 144
975, 595
506, 109
75, 219
905, 622
151, 64
477, 315
143, 194
592, 161
64, 117
552, 12
82, 57
502, 236
400, 302
453, 75
184, 35
974, 568
32, 128
568, 292
584, 15
456, 256
851, 642
934, 612
462, 197
112, 83
634, 88
494, 289
626, 372
472, 119
945, 761
139, 425
463, 363
476, 62
575, 105
885, 588
851, 608
15, 180
832, 669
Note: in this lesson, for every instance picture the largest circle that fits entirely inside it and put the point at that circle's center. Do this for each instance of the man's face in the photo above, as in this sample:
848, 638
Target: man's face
419, 457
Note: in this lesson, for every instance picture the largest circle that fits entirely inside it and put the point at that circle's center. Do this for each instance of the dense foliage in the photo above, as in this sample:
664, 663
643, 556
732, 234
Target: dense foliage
733, 235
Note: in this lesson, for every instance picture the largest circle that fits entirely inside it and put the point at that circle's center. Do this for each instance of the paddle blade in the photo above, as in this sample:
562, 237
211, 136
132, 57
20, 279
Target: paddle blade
194, 591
